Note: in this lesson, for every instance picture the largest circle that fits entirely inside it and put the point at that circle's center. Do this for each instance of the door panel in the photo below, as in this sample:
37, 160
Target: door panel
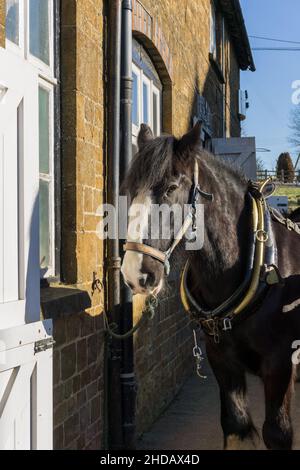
26, 388
9, 210
25, 342
19, 180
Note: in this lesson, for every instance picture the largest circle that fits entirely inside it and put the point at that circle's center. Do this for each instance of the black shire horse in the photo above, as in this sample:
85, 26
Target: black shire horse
260, 338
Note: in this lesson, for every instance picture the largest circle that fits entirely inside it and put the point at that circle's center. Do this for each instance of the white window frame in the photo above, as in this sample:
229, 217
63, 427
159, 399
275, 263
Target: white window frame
49, 178
156, 91
213, 30
135, 128
153, 89
146, 82
45, 71
47, 80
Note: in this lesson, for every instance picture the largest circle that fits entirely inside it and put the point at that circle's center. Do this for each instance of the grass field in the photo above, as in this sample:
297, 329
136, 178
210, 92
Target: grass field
292, 192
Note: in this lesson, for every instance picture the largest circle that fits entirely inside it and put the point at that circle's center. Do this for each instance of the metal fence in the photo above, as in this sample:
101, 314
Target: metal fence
282, 176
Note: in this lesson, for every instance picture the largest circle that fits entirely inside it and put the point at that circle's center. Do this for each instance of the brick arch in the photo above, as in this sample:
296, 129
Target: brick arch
147, 31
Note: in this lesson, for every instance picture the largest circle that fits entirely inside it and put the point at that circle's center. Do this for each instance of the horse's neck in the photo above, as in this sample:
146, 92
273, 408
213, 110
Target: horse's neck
218, 268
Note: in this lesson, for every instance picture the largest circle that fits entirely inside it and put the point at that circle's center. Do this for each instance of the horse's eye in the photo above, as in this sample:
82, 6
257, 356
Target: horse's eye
171, 189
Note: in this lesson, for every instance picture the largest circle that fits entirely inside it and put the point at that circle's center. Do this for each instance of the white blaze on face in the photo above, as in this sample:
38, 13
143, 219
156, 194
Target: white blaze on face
137, 231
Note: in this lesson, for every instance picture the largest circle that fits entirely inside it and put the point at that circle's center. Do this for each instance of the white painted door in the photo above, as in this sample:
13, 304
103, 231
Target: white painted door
19, 189
25, 364
26, 387
241, 151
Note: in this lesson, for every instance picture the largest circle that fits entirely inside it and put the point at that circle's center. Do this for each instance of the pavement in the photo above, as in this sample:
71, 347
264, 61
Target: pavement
192, 420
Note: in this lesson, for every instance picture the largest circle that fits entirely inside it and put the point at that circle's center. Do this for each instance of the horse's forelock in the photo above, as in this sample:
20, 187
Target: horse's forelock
157, 160
151, 166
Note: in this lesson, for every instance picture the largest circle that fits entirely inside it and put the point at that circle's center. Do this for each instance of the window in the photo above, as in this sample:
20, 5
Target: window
30, 34
13, 21
39, 30
146, 93
217, 40
146, 105
46, 178
213, 31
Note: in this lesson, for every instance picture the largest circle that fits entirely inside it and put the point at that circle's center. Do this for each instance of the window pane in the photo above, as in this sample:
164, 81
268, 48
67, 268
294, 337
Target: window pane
145, 103
12, 20
213, 32
135, 103
44, 137
39, 29
155, 115
44, 225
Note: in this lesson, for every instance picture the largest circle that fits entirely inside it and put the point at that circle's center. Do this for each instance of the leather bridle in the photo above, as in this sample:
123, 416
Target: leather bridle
190, 219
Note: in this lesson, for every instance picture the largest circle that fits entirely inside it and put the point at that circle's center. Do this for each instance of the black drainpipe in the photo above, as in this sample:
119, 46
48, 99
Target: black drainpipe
127, 376
113, 387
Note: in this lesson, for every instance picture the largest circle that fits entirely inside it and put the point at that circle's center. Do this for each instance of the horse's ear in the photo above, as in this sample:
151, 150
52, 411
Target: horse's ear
189, 140
145, 135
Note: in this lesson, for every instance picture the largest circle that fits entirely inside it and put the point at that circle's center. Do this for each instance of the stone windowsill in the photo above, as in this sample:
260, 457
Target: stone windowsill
59, 300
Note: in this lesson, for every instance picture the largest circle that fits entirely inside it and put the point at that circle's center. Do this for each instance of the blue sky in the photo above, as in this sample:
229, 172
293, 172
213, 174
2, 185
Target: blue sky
270, 87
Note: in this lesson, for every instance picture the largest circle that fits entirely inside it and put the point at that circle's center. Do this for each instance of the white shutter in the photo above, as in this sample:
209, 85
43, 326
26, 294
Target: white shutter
240, 151
25, 365
19, 183
26, 387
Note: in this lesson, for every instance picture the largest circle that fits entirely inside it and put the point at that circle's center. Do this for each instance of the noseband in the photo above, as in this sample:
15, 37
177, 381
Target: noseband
190, 219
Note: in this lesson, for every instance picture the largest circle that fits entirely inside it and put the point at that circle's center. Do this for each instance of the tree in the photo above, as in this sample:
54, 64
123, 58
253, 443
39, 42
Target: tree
285, 168
260, 165
294, 126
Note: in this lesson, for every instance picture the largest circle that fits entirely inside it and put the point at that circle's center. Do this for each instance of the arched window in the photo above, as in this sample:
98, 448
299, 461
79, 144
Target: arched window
146, 95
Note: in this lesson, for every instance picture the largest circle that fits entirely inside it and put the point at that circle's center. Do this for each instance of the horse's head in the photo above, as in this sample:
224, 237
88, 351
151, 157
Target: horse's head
161, 175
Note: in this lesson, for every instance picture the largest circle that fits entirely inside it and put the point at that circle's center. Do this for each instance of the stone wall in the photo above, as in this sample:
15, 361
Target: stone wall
186, 29
2, 23
77, 312
78, 382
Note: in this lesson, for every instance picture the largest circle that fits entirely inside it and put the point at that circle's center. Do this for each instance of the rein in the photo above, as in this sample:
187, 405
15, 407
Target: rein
190, 219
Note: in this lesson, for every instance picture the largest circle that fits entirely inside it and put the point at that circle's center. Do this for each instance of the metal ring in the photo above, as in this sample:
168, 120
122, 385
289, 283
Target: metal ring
262, 236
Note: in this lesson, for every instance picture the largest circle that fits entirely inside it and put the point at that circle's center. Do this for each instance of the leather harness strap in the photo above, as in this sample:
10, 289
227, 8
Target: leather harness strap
146, 250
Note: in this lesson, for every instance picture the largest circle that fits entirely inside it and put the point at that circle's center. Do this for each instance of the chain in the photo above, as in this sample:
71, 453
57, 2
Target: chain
197, 353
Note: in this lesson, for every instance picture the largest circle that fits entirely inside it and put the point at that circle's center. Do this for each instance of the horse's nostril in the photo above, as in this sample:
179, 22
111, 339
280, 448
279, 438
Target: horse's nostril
150, 279
147, 280
130, 285
143, 281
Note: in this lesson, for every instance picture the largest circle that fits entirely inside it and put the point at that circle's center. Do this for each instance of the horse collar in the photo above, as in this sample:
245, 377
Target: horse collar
261, 272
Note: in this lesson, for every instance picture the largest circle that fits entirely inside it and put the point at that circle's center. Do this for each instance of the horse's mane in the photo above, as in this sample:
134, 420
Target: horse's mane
153, 165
